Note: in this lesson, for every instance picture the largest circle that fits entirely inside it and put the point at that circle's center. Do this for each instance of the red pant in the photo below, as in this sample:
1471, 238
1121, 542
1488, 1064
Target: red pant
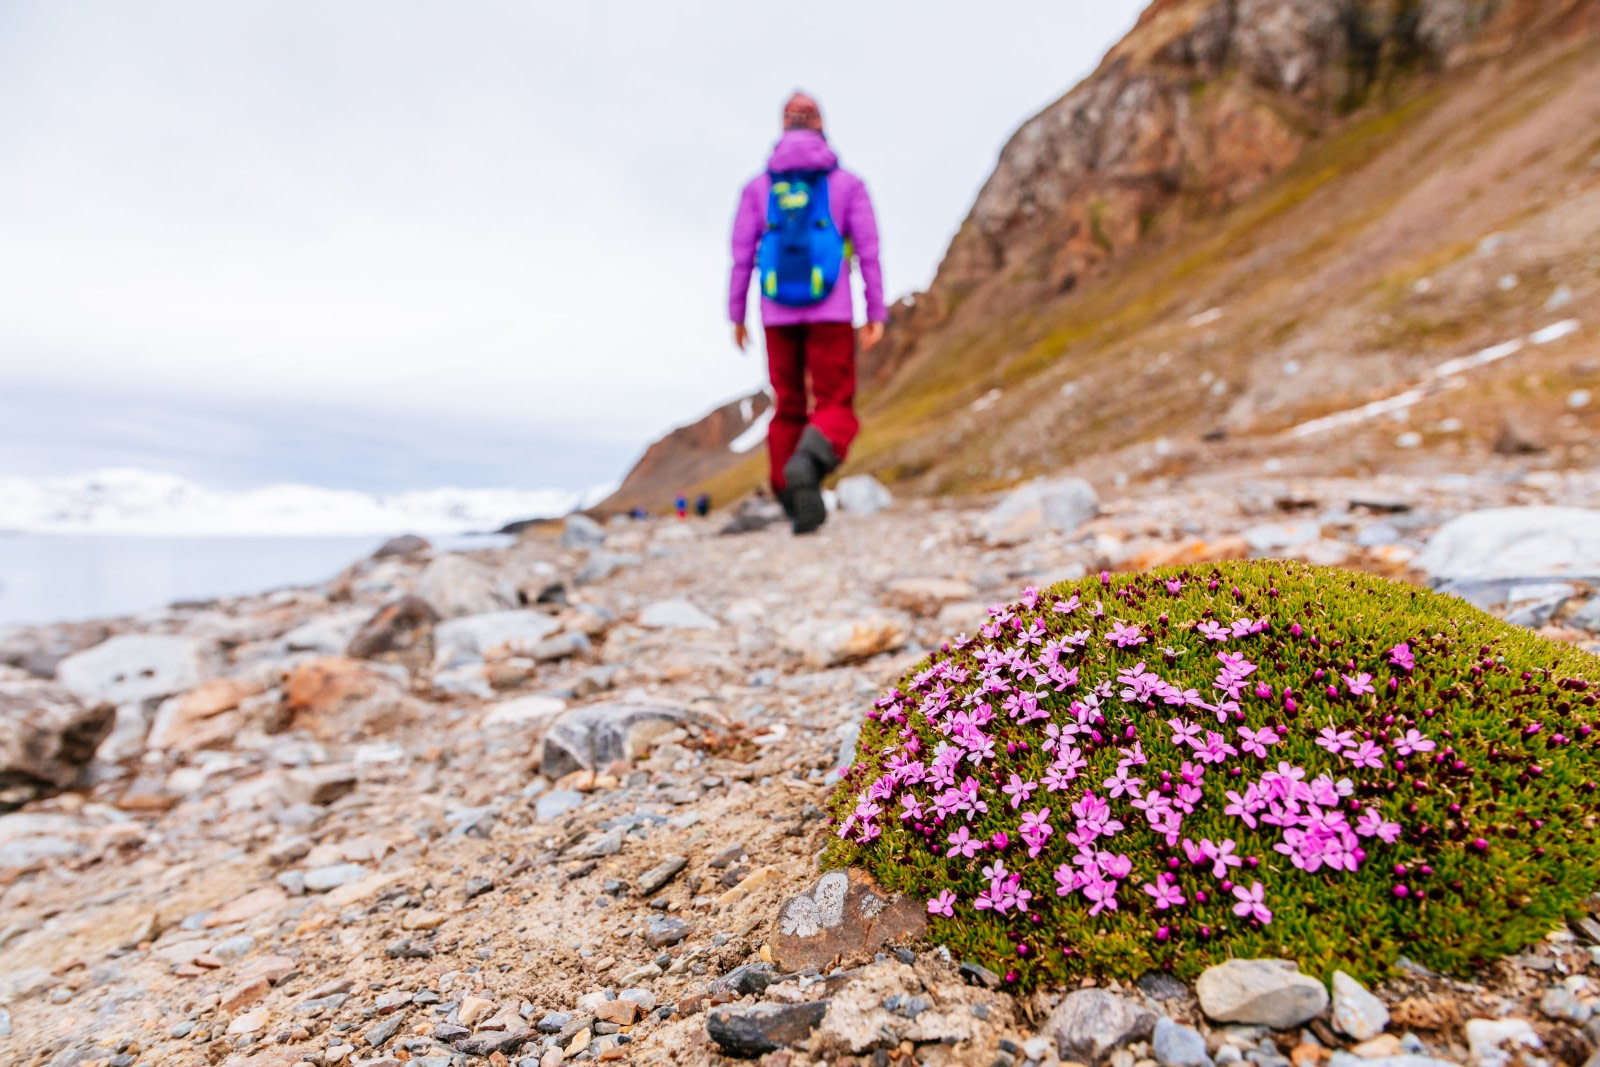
826, 352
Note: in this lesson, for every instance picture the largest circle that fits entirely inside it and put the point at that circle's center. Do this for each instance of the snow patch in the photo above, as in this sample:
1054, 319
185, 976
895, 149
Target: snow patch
126, 500
754, 434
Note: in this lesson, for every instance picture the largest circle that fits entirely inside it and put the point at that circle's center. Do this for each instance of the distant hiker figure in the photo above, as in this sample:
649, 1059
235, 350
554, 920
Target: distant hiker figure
797, 228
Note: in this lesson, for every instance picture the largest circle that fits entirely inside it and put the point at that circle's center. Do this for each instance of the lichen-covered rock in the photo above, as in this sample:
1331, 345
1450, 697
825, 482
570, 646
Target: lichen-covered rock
844, 914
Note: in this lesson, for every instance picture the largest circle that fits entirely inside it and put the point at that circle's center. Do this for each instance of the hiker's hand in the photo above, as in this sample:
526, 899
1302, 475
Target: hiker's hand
871, 334
741, 336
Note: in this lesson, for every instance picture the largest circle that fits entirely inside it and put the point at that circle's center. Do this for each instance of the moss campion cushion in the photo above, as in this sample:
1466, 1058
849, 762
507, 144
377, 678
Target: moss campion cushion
1163, 770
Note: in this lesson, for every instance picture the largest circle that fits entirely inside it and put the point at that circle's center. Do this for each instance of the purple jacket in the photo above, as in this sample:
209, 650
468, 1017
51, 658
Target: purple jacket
852, 213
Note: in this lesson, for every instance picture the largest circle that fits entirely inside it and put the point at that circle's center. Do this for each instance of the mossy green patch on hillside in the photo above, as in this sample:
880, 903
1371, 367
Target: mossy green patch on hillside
1166, 769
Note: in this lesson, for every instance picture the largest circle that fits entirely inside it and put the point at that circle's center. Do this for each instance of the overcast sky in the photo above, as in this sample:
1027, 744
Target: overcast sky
393, 244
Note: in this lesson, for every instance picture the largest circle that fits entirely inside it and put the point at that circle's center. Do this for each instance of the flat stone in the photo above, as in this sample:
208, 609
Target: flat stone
1089, 1024
245, 908
747, 979
1356, 1012
675, 615
1048, 505
756, 1029
244, 994
523, 711
1176, 1045
1516, 542
378, 1035
556, 803
473, 1009
844, 913
322, 879
621, 1012
658, 876
665, 930
131, 668
1263, 992
250, 1022
838, 642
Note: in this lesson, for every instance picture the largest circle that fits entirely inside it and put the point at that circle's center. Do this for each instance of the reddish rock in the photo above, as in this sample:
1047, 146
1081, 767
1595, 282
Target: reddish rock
845, 914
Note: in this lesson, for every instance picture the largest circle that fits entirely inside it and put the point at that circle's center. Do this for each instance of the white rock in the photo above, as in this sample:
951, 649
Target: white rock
528, 709
131, 668
829, 644
470, 638
455, 586
862, 494
1356, 1011
1492, 1041
330, 634
1521, 542
1061, 504
676, 615
1271, 536
1265, 992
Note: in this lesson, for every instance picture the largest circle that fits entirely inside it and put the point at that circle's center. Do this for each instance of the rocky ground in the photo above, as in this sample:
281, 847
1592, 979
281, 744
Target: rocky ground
546, 802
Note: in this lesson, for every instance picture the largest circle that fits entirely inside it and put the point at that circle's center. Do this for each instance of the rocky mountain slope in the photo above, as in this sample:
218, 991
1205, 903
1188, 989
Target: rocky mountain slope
1251, 215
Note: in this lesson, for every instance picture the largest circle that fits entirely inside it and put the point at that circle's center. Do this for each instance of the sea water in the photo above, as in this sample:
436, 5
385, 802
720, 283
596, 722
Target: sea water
51, 577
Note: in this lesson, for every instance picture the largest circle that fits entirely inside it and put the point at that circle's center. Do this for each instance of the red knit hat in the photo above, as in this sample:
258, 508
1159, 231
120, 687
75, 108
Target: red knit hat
802, 113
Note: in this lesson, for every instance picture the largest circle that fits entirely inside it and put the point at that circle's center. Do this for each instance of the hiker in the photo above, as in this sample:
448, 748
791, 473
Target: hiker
797, 227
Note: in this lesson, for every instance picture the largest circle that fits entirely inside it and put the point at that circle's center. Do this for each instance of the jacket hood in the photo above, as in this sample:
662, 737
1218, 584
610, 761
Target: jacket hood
802, 150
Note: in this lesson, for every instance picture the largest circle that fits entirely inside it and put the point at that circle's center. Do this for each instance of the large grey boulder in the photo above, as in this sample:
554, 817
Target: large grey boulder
1264, 992
590, 737
1090, 1024
131, 668
328, 635
1528, 542
1057, 504
456, 586
47, 737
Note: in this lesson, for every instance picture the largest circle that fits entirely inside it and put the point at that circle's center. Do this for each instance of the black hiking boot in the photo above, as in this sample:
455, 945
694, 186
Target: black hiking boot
803, 474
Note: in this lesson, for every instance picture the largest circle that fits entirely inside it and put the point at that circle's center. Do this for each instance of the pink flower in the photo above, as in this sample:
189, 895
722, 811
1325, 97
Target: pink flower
1359, 684
1255, 741
1067, 606
1251, 903
1174, 586
1125, 635
1400, 656
1336, 741
1121, 783
1165, 892
962, 843
1413, 741
1066, 880
1372, 824
1103, 893
1184, 733
1212, 631
1221, 856
943, 904
1366, 755
1019, 791
913, 808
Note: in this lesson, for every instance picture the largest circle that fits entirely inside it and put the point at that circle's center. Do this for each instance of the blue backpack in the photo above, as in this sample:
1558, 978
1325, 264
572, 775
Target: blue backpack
802, 251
